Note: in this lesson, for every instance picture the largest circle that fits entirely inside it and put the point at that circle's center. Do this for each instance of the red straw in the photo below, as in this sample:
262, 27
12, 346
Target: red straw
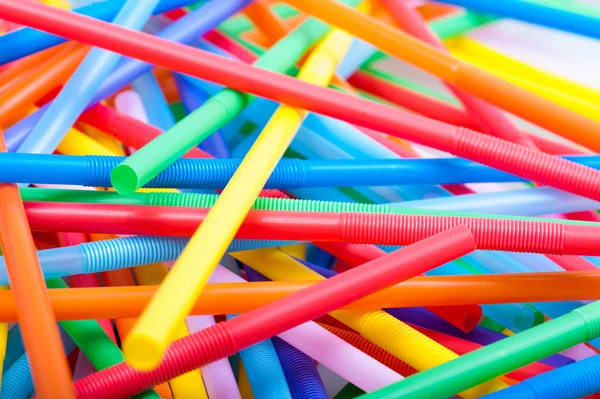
530, 164
227, 338
359, 228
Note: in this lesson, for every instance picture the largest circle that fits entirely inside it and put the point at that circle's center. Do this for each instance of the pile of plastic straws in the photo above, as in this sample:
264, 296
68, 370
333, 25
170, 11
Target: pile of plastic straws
299, 199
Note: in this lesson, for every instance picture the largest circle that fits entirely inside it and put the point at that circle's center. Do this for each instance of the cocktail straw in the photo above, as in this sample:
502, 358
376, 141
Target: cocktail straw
211, 240
498, 153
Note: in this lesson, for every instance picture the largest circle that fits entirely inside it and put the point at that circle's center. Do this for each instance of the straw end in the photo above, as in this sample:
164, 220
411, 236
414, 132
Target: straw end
124, 179
142, 351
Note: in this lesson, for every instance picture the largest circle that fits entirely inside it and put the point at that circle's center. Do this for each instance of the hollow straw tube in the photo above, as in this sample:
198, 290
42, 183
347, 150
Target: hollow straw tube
184, 30
361, 228
35, 311
126, 302
218, 376
580, 325
576, 380
79, 90
574, 18
288, 174
154, 101
210, 239
229, 337
264, 370
497, 153
374, 325
25, 41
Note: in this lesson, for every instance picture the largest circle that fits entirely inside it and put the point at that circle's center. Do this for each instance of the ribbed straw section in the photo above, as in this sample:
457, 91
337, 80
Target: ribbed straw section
189, 173
119, 253
531, 164
181, 199
273, 194
289, 173
377, 353
590, 315
163, 390
264, 370
538, 110
570, 382
247, 245
16, 382
491, 234
192, 352
300, 372
99, 168
414, 348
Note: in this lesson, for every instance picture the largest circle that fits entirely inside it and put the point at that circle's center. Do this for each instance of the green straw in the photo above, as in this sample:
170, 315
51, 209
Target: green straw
240, 24
93, 341
172, 144
274, 204
501, 357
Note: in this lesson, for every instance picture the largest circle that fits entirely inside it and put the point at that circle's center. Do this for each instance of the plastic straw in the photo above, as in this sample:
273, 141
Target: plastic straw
578, 326
154, 101
229, 337
574, 18
210, 241
34, 308
80, 88
364, 228
464, 143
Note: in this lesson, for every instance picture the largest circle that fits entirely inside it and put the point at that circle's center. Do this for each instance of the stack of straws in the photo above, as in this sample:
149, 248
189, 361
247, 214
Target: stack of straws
258, 199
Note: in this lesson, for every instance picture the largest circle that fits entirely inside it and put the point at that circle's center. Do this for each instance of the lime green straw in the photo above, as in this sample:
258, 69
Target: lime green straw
93, 341
473, 368
172, 144
274, 204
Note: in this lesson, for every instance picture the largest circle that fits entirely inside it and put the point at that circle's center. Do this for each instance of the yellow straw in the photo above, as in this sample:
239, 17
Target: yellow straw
174, 299
3, 338
380, 327
561, 91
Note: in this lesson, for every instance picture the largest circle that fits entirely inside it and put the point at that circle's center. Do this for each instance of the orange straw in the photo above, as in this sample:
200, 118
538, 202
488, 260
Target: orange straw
21, 68
456, 72
129, 301
265, 20
39, 330
17, 100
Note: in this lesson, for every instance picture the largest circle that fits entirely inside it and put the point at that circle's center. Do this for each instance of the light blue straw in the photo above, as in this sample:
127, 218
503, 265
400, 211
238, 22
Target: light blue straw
79, 90
153, 99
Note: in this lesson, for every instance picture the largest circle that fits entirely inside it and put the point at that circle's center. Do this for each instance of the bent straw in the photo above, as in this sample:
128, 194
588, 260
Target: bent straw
34, 308
463, 142
81, 87
187, 278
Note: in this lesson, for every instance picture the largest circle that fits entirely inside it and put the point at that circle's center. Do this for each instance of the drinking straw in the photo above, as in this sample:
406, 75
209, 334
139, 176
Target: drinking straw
22, 68
46, 77
189, 383
184, 30
154, 101
192, 100
264, 370
218, 376
492, 119
326, 349
527, 202
562, 92
210, 240
264, 19
79, 90
246, 78
374, 325
363, 228
300, 371
576, 380
22, 42
565, 16
122, 302
229, 337
34, 308
578, 326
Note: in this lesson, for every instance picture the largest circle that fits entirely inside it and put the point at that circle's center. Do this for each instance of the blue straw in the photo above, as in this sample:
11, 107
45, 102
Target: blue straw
184, 30
574, 381
26, 41
77, 93
552, 14
120, 253
155, 104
